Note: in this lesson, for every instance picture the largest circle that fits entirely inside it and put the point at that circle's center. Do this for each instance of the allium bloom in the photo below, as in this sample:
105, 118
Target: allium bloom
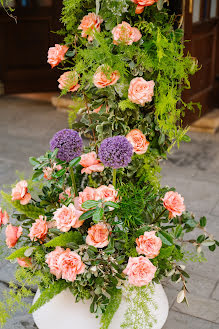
174, 202
125, 34
24, 262
52, 261
89, 25
56, 54
69, 81
12, 233
140, 271
115, 152
141, 91
141, 4
68, 193
98, 235
19, 192
70, 265
88, 193
68, 142
138, 141
67, 217
39, 229
106, 193
148, 244
4, 217
90, 163
105, 77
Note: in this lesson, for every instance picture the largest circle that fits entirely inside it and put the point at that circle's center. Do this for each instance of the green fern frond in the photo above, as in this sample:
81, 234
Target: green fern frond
64, 239
17, 253
111, 309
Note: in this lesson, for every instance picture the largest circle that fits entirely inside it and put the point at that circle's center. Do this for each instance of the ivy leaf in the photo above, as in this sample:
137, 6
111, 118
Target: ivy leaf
74, 162
201, 238
165, 237
89, 204
98, 215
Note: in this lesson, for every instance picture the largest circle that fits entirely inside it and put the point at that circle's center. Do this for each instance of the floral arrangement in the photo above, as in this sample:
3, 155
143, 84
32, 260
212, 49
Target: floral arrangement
94, 218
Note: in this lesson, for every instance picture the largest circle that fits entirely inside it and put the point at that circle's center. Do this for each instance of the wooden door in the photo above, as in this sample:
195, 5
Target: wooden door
201, 28
24, 46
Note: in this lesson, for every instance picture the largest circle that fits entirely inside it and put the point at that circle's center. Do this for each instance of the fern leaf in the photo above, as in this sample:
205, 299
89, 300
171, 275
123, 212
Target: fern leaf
65, 238
111, 309
17, 253
127, 104
47, 294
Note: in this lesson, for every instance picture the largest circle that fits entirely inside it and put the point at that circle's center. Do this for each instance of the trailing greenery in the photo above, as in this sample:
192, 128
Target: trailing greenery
111, 308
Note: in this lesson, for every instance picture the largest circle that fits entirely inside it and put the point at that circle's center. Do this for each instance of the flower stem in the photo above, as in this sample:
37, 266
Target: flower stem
156, 219
73, 181
114, 178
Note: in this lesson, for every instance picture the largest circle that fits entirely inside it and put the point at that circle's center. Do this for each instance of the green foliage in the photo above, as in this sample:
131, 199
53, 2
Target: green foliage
17, 253
111, 308
64, 239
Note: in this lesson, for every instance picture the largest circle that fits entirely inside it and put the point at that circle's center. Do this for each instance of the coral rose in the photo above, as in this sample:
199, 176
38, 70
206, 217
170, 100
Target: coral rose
89, 25
141, 4
125, 34
39, 229
141, 91
148, 244
69, 81
90, 163
107, 193
67, 217
4, 217
24, 262
65, 194
12, 233
98, 235
19, 192
140, 271
88, 193
138, 141
174, 202
70, 265
56, 54
105, 77
52, 260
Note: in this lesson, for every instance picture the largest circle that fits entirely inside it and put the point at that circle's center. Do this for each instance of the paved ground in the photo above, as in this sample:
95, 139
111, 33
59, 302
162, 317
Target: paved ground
26, 128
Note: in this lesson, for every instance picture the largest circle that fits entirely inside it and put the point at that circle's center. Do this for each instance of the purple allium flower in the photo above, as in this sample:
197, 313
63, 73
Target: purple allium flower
68, 142
115, 152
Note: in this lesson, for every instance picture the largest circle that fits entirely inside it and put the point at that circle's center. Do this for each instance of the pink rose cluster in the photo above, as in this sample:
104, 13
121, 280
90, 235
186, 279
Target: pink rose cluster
138, 141
141, 91
141, 4
148, 244
67, 218
19, 192
125, 34
4, 217
174, 202
69, 81
104, 77
98, 235
89, 25
65, 264
56, 54
90, 163
39, 229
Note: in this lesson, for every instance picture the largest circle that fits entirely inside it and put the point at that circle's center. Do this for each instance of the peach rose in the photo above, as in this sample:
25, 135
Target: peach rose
39, 229
4, 217
12, 233
140, 271
98, 235
88, 193
148, 244
138, 141
174, 202
141, 91
90, 163
67, 217
24, 262
52, 260
106, 193
125, 34
56, 54
19, 192
104, 77
66, 193
70, 264
141, 4
89, 25
69, 81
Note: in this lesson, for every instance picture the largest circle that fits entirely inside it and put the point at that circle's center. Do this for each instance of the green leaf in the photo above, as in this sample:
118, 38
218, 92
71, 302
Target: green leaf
87, 214
33, 161
203, 221
212, 248
191, 222
208, 243
111, 204
165, 237
178, 231
98, 215
74, 162
166, 252
112, 307
48, 294
186, 139
18, 253
201, 238
89, 204
65, 238
54, 154
59, 173
38, 175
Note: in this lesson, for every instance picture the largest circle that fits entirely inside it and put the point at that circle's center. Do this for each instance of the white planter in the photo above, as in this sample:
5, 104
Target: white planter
63, 313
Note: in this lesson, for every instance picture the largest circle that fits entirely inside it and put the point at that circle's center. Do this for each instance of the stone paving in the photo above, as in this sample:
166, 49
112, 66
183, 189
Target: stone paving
26, 127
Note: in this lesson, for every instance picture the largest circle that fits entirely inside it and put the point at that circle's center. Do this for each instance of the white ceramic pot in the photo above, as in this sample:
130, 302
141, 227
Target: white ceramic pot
63, 313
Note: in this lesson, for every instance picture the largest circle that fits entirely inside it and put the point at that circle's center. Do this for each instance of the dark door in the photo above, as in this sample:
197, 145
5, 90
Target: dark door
24, 46
201, 27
